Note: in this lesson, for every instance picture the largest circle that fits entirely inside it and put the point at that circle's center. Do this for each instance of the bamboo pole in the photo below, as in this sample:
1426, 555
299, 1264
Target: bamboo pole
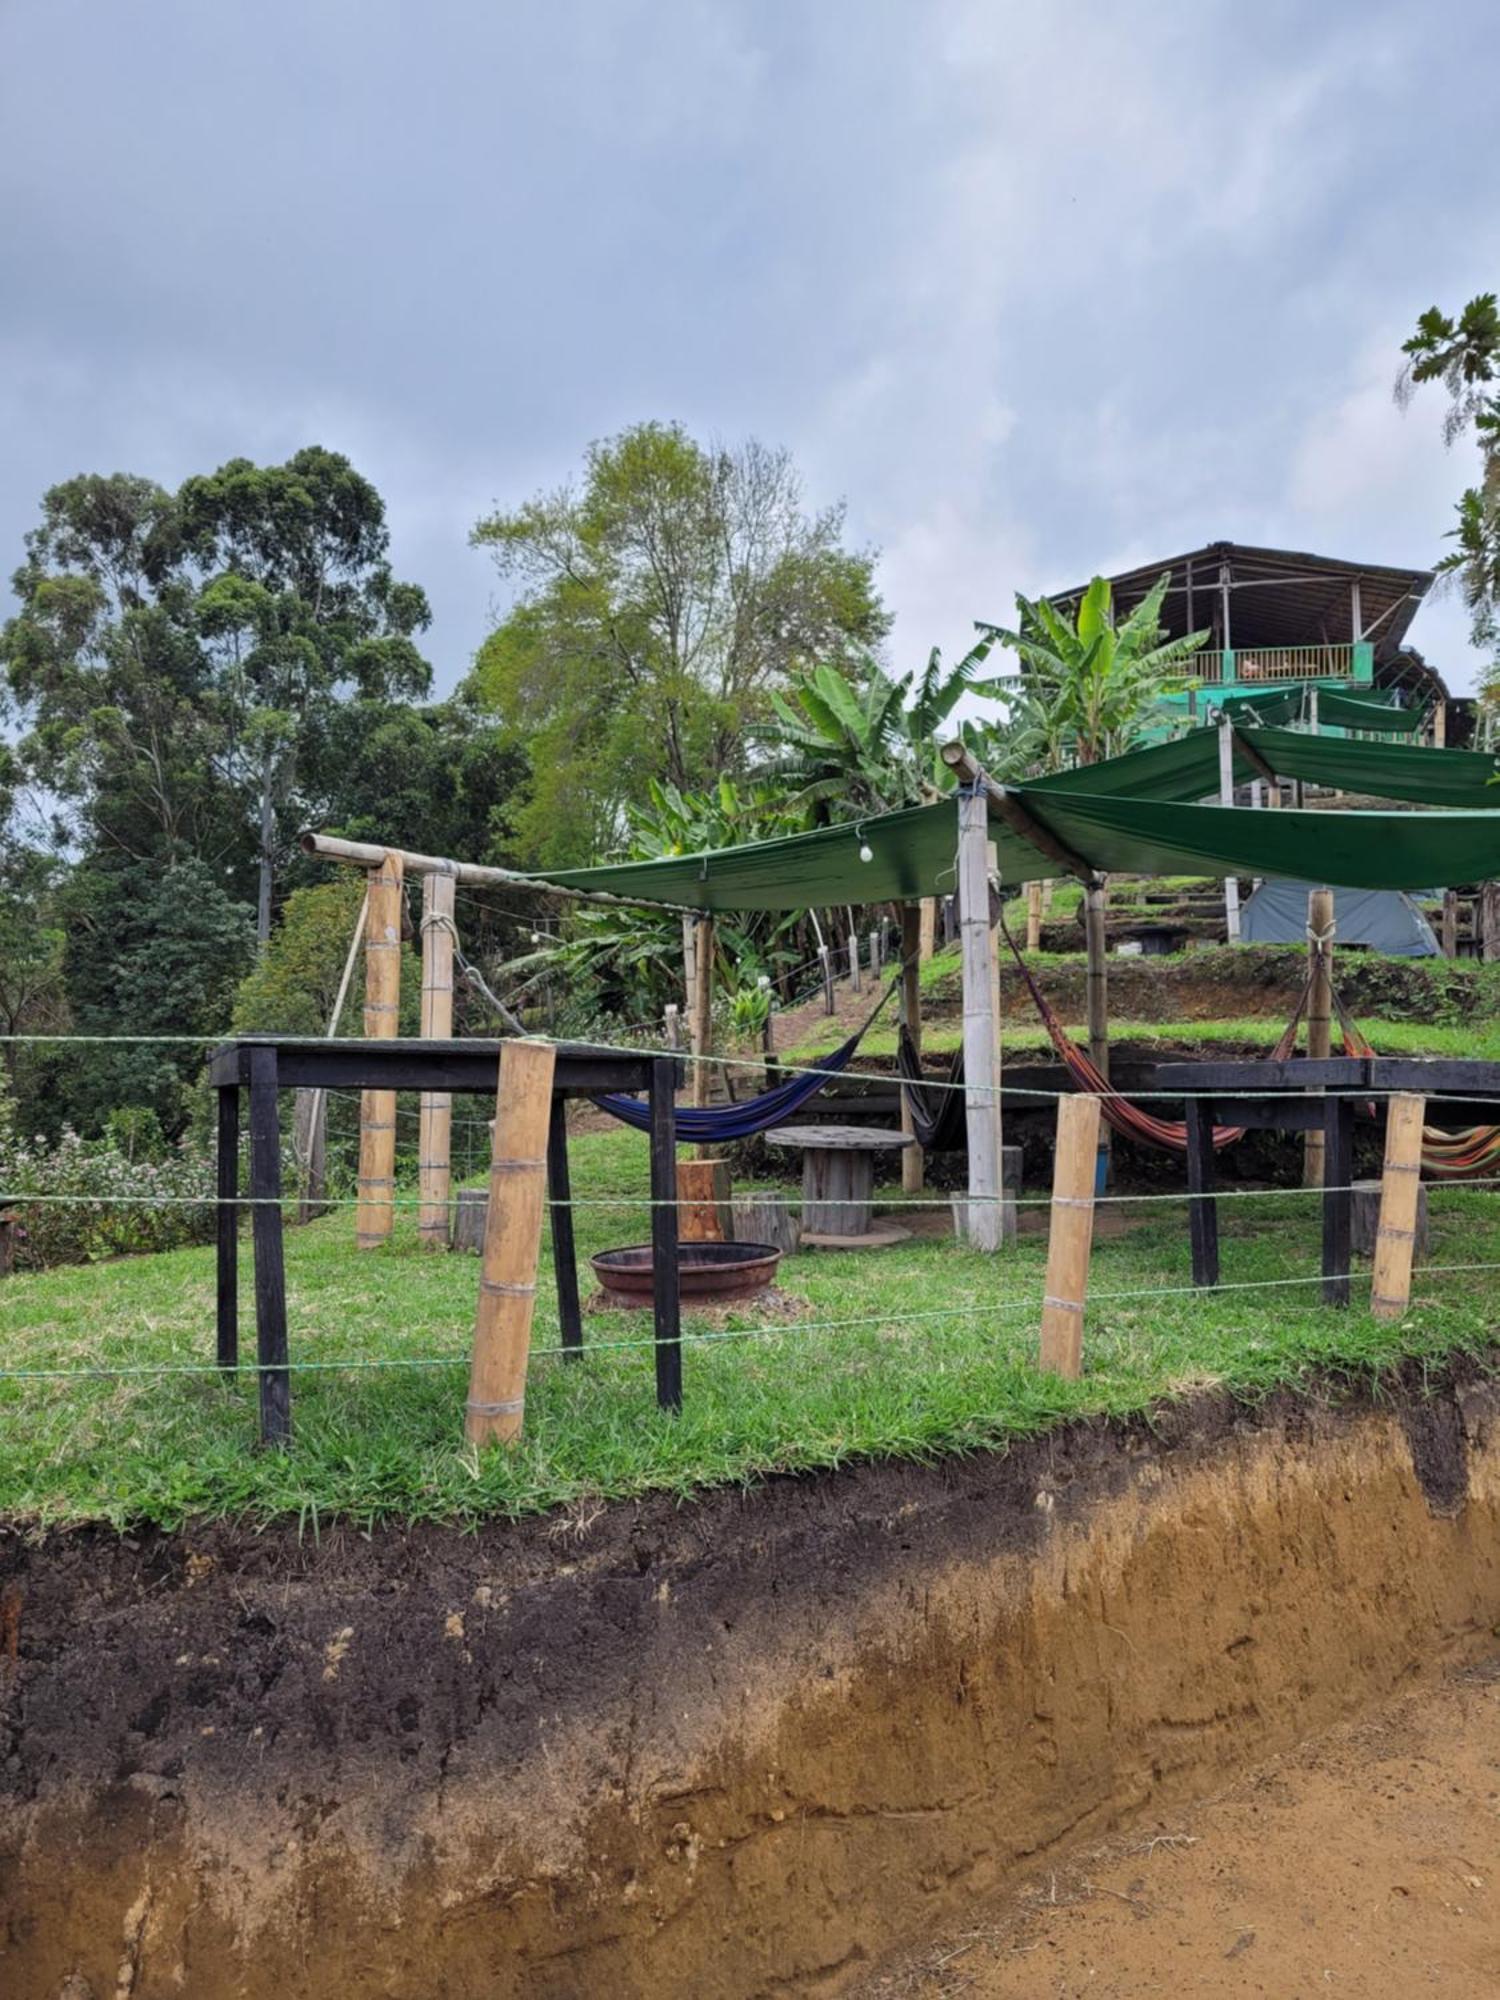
435, 1122
1440, 725
1096, 985
911, 1018
1400, 1189
701, 1019
984, 1225
689, 964
1450, 924
512, 1243
1033, 916
311, 1117
1320, 936
929, 927
1008, 1217
1071, 1236
1226, 798
375, 1213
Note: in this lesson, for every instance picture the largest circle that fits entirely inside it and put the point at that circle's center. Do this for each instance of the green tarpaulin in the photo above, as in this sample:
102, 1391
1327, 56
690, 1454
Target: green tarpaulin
1268, 704
1349, 711
912, 853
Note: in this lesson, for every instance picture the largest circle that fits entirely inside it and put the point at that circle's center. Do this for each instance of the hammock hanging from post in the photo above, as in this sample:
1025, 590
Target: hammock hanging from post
717, 1125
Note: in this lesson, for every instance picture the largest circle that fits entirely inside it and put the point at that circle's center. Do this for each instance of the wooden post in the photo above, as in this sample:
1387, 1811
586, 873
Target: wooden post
1320, 935
1489, 922
227, 1181
825, 960
512, 1243
704, 1196
672, 1025
270, 1272
375, 1214
564, 1250
689, 962
854, 977
1071, 1236
768, 1034
911, 1019
666, 1297
1009, 1216
1033, 916
701, 1012
1400, 1185
875, 963
1096, 985
981, 1108
929, 927
1440, 725
1203, 1209
1226, 798
435, 1124
1450, 924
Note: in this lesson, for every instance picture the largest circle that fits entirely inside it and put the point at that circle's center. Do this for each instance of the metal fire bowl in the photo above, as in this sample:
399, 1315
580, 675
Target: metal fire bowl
716, 1271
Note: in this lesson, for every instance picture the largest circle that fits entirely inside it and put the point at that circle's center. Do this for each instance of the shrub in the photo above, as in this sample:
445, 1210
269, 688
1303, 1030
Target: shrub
84, 1216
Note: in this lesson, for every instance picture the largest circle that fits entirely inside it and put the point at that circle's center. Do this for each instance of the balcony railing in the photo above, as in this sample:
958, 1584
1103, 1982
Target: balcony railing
1251, 666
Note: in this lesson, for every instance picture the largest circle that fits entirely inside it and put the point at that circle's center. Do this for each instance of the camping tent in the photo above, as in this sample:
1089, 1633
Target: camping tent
1385, 919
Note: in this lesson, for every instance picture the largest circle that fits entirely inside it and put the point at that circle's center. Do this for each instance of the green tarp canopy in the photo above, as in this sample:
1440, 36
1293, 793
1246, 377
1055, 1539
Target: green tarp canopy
1267, 704
1188, 769
1351, 711
912, 853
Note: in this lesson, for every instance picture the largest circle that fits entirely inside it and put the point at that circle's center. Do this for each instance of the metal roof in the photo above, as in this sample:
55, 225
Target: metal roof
1277, 597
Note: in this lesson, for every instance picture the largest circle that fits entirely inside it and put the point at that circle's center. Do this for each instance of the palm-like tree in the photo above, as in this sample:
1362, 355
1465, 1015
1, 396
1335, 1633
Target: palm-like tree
872, 742
1098, 682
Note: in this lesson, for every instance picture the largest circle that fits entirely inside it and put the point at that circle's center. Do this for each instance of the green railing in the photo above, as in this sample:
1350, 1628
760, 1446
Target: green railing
1259, 666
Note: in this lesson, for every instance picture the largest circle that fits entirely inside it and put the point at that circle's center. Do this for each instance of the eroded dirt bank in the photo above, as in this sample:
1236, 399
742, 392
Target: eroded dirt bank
739, 1747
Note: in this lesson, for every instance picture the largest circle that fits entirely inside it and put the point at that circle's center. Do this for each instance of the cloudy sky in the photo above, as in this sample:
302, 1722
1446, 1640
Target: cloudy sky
1039, 288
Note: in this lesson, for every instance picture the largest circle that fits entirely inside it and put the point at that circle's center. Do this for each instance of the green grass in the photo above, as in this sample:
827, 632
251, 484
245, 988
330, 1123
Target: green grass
912, 1352
1479, 1040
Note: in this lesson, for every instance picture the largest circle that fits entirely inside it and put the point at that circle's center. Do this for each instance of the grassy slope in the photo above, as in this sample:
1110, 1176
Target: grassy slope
857, 1378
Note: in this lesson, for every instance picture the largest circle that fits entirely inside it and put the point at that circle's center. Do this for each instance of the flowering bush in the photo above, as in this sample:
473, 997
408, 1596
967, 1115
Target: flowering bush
99, 1201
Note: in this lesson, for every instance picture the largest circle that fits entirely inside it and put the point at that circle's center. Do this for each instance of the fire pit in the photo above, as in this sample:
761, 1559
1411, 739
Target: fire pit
712, 1271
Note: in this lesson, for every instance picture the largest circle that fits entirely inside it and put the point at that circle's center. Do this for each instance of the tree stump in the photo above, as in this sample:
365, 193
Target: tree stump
468, 1219
703, 1214
765, 1218
1366, 1219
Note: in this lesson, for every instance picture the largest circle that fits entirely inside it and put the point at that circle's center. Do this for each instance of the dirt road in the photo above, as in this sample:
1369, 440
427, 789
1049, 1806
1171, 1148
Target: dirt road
1367, 1863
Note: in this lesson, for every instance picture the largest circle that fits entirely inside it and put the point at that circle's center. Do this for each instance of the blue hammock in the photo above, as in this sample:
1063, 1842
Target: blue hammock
723, 1122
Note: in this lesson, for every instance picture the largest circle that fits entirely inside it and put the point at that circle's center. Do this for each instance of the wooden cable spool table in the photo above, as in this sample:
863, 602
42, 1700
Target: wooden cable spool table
838, 1179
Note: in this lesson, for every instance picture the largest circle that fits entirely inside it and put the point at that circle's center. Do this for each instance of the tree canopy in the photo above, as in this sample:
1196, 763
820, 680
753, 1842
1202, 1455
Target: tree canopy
660, 600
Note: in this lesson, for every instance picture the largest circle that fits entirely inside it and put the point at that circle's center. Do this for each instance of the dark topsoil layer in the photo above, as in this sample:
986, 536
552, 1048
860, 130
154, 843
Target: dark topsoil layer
94, 1625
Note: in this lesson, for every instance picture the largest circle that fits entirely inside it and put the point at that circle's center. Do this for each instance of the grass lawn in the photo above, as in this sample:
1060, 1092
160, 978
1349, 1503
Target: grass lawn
912, 1351
1478, 1041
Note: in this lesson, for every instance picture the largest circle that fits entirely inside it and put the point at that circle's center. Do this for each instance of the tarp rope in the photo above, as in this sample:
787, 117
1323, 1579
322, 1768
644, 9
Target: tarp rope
717, 1125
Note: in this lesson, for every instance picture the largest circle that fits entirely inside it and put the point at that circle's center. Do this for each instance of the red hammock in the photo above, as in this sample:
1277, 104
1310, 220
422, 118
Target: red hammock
1129, 1120
1446, 1156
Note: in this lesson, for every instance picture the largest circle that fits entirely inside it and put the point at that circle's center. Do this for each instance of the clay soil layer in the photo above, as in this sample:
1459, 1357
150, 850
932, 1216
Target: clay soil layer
756, 1744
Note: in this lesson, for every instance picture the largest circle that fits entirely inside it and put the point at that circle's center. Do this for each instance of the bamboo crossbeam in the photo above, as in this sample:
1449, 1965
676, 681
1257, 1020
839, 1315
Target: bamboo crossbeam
960, 759
472, 874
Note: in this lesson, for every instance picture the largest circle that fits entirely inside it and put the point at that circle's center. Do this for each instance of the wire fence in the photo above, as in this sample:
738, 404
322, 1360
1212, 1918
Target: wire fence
989, 1309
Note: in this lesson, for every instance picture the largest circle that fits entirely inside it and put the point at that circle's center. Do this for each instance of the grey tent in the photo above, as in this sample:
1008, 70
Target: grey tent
1385, 919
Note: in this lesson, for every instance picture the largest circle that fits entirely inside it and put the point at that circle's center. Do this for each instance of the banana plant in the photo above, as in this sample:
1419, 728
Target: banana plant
1100, 681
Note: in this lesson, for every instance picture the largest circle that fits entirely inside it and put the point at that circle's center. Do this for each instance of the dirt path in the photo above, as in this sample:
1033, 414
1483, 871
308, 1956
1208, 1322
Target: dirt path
1366, 1863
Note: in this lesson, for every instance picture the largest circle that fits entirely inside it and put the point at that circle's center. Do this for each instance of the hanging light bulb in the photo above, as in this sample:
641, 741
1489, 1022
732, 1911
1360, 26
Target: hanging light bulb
866, 852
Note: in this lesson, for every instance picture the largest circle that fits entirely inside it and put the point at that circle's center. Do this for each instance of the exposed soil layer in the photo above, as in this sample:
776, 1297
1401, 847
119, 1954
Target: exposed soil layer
743, 1746
1364, 1863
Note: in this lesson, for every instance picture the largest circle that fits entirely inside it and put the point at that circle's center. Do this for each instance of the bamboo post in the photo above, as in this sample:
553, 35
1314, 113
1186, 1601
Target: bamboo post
1320, 935
512, 1243
672, 1025
854, 977
825, 960
1400, 1186
1440, 725
1071, 1236
1096, 984
435, 1123
1226, 798
911, 1019
1033, 916
701, 1008
768, 1033
702, 1020
1450, 924
1489, 922
1009, 1221
375, 1214
875, 958
929, 927
689, 963
981, 1108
